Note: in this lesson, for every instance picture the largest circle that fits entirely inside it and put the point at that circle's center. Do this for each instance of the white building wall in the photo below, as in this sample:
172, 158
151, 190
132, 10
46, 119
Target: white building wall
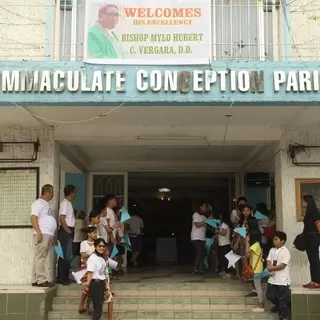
26, 29
16, 250
285, 175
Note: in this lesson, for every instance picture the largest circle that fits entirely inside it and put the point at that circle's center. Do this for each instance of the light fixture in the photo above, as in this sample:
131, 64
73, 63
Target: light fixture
164, 190
162, 198
169, 199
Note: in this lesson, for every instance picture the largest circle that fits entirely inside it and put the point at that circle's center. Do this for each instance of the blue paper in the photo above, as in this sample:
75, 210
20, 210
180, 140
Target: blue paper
213, 223
114, 252
258, 215
126, 244
125, 216
59, 251
209, 243
242, 231
264, 274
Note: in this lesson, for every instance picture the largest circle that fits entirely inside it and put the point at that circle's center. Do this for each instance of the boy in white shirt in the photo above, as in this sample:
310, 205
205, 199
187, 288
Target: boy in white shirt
278, 291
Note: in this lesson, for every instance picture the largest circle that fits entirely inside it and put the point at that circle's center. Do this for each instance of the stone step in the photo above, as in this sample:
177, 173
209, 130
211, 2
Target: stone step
162, 294
164, 307
176, 287
162, 315
130, 300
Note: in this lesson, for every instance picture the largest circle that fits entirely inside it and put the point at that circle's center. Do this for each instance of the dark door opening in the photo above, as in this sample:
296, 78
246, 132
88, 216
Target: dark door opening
167, 215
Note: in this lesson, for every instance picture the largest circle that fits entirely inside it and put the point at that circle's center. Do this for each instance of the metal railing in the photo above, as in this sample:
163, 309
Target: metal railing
258, 30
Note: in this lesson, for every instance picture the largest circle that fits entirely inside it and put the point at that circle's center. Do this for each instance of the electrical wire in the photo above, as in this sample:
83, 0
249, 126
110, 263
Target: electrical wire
68, 122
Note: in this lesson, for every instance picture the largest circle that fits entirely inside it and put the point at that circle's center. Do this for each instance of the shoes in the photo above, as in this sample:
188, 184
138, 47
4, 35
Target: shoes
307, 285
313, 285
64, 282
46, 285
258, 310
252, 294
34, 284
195, 272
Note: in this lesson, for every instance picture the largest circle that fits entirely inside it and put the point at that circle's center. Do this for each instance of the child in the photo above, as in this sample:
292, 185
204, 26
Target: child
278, 291
86, 249
224, 235
79, 236
255, 256
94, 217
108, 294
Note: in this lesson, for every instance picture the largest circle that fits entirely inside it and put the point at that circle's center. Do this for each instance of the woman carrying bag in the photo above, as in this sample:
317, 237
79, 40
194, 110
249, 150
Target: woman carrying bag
311, 234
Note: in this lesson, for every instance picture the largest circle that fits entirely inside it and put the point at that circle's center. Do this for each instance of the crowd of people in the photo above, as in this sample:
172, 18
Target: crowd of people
262, 248
91, 238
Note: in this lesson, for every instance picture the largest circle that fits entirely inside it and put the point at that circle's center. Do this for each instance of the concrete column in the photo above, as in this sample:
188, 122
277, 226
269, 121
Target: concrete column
285, 175
16, 249
240, 184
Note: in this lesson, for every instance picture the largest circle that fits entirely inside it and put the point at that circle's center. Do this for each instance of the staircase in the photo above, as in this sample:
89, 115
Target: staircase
168, 298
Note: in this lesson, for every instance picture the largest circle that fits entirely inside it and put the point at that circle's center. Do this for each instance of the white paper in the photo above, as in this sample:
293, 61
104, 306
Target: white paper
232, 258
113, 264
79, 275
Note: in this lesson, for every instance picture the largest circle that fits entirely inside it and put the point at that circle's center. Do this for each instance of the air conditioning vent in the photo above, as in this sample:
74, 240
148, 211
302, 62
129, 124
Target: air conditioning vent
258, 179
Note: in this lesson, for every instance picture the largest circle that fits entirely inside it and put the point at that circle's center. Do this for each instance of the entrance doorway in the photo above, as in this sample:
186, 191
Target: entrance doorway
166, 202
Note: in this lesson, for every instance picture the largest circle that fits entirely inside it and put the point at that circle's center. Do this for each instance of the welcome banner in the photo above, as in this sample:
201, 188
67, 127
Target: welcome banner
148, 32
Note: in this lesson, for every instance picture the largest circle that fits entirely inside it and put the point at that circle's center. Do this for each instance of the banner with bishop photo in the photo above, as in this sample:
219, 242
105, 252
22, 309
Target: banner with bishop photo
144, 32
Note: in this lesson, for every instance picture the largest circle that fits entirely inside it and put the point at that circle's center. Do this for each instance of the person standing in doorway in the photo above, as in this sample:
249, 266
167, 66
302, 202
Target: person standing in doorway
198, 236
113, 222
311, 232
224, 241
236, 213
66, 233
136, 226
44, 228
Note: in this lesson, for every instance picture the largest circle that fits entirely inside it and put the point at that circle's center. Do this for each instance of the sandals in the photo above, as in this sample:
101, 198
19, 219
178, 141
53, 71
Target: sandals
82, 310
313, 285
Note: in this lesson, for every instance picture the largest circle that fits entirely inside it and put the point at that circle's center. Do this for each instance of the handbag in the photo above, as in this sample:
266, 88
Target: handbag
300, 242
248, 271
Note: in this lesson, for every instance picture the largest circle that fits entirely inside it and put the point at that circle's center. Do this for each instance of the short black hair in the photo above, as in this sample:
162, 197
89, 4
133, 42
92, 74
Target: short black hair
46, 188
69, 189
89, 229
281, 235
98, 241
242, 199
247, 206
96, 211
108, 197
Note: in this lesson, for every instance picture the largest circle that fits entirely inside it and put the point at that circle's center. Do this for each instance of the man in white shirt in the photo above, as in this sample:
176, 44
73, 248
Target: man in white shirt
135, 233
278, 291
66, 233
44, 228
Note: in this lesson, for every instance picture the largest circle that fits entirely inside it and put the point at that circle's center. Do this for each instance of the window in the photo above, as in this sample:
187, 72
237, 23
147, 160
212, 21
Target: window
241, 29
19, 188
108, 184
